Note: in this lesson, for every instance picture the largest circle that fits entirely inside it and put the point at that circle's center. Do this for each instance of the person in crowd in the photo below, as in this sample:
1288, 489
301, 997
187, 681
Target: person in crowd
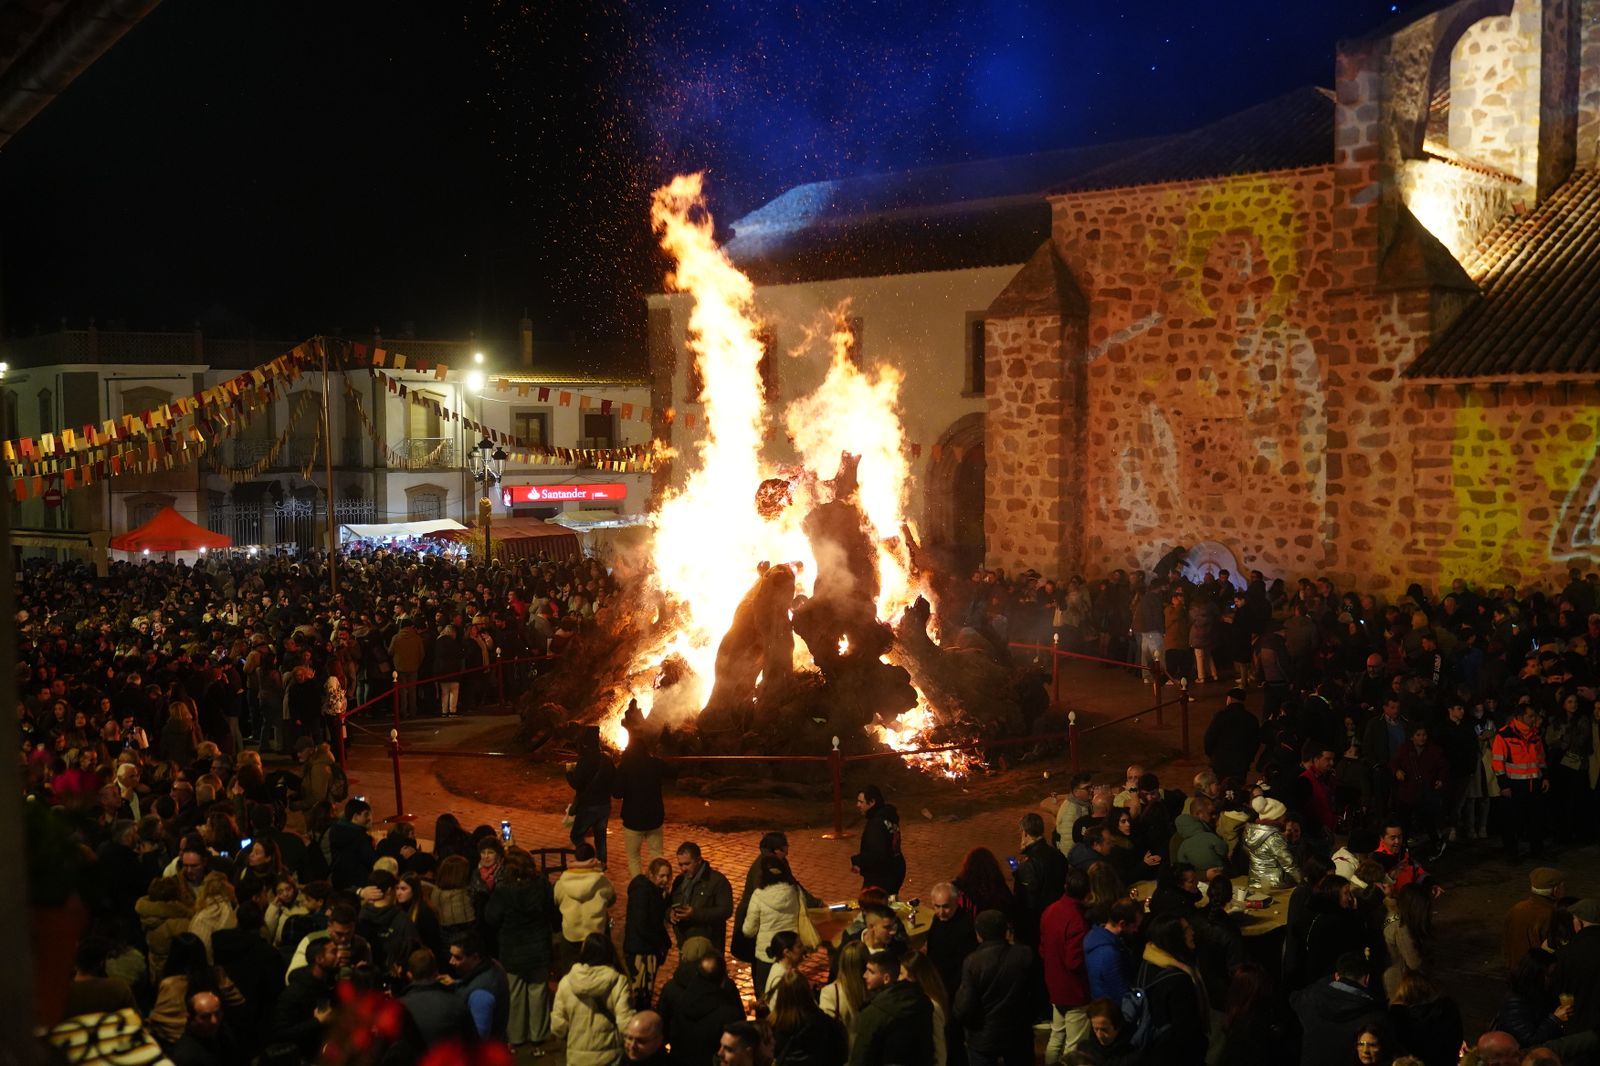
452, 897
1062, 931
1271, 864
777, 906
1175, 994
350, 845
521, 914
1333, 1011
207, 1040
592, 1005
697, 1001
1407, 934
1528, 921
481, 983
438, 1012
1233, 737
255, 968
591, 778
1255, 1031
802, 1034
896, 1026
93, 991
638, 784
916, 968
307, 1000
1202, 847
1072, 809
1038, 878
584, 897
407, 650
743, 1043
702, 899
844, 997
1517, 757
1110, 1042
880, 861
646, 936
994, 1002
1425, 1022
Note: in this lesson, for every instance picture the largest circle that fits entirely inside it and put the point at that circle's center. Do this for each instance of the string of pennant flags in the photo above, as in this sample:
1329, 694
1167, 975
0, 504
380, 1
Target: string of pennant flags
240, 474
179, 432
623, 459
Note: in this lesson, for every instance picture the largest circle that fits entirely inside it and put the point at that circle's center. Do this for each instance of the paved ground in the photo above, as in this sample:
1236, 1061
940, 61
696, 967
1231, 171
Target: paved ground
940, 823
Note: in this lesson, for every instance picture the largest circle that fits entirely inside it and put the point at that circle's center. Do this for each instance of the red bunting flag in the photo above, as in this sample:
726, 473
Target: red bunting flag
544, 394
566, 399
605, 407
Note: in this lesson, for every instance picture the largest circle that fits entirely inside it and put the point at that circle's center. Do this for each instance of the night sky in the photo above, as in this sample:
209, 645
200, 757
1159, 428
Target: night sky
297, 166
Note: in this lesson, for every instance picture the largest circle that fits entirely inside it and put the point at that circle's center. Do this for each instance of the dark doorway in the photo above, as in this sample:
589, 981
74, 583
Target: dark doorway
968, 542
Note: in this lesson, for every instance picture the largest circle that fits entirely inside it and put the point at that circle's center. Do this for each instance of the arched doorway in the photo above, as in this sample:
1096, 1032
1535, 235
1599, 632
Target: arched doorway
968, 541
955, 498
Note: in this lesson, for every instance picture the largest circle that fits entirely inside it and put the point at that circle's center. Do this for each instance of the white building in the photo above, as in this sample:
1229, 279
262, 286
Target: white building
403, 461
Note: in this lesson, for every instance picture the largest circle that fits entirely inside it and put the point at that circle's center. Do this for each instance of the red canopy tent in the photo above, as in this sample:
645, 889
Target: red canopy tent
169, 531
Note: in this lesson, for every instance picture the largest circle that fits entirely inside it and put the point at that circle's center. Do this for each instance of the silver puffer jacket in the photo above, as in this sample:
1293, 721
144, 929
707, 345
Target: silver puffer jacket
1271, 865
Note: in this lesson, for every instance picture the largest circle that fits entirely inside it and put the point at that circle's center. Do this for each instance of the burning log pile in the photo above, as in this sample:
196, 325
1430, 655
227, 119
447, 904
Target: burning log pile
749, 554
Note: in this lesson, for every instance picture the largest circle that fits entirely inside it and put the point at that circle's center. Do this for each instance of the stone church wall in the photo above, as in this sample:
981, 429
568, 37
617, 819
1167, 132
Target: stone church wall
1205, 399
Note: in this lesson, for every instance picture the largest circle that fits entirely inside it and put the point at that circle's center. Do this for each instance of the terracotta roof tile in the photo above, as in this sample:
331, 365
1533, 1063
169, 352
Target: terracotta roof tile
1539, 312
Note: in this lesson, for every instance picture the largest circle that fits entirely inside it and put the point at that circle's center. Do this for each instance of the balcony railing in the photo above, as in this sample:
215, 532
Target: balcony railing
425, 453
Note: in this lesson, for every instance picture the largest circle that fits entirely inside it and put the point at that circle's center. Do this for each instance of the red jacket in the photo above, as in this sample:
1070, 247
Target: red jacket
1062, 928
1425, 770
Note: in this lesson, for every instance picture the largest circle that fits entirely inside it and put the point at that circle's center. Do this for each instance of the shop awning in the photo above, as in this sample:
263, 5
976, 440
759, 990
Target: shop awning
385, 530
583, 521
525, 538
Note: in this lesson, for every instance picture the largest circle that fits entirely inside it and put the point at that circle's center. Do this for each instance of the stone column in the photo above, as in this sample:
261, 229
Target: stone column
1035, 424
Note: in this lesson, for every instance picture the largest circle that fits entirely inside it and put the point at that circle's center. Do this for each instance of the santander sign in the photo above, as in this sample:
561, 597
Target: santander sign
514, 494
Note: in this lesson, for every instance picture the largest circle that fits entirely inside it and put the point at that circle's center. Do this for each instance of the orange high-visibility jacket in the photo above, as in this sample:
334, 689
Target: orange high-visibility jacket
1517, 756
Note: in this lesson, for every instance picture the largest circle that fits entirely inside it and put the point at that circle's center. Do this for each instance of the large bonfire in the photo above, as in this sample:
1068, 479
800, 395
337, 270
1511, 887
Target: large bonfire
751, 552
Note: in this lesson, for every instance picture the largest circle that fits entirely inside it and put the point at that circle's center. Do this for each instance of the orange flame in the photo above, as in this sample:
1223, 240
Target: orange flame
709, 536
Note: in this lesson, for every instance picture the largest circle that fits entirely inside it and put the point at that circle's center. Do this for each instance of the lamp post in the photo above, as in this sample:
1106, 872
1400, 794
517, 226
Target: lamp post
488, 464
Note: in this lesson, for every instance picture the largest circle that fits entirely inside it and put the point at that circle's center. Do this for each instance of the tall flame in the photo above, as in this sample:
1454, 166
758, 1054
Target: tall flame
709, 536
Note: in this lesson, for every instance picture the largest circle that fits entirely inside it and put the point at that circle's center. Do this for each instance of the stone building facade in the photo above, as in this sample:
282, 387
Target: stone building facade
1352, 332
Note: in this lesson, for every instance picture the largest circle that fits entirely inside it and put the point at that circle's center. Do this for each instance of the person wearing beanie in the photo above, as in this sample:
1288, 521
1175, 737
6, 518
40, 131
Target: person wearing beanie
1528, 920
1577, 969
1271, 864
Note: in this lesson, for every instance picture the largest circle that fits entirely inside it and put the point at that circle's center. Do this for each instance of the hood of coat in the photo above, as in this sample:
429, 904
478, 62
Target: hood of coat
1255, 834
581, 885
1188, 826
903, 999
593, 983
151, 910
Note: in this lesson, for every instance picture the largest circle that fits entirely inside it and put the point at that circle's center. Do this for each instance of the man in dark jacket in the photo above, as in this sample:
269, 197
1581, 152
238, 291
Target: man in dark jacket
591, 777
1381, 740
439, 1014
380, 922
697, 1001
638, 785
256, 969
880, 861
895, 1028
350, 847
1038, 878
1233, 737
481, 983
702, 899
520, 912
1333, 1010
996, 997
206, 1040
307, 1000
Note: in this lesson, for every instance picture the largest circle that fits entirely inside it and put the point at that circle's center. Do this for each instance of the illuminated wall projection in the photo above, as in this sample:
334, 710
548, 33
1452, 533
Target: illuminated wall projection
1206, 391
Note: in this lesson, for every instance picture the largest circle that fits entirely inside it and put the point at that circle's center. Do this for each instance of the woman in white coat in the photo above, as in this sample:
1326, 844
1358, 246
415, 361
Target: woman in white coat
592, 1007
775, 907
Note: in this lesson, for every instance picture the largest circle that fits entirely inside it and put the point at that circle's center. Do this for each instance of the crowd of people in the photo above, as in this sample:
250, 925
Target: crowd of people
242, 905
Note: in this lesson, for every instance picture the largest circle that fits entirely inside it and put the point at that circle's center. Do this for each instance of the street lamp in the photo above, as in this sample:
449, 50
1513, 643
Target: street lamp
487, 464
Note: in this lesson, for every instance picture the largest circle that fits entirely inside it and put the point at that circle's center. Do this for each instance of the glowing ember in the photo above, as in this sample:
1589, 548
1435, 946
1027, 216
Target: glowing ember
910, 732
737, 509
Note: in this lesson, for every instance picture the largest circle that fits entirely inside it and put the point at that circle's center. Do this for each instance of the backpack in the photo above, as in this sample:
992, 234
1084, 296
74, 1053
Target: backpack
1143, 1030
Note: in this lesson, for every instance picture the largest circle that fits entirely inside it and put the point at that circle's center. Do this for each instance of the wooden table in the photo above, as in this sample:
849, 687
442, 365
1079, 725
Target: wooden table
1252, 921
830, 924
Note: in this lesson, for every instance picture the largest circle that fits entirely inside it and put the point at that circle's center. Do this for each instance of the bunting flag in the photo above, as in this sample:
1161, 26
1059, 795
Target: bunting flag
239, 475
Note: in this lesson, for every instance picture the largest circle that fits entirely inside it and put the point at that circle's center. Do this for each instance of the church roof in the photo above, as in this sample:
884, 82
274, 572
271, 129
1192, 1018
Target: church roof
1540, 309
993, 212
